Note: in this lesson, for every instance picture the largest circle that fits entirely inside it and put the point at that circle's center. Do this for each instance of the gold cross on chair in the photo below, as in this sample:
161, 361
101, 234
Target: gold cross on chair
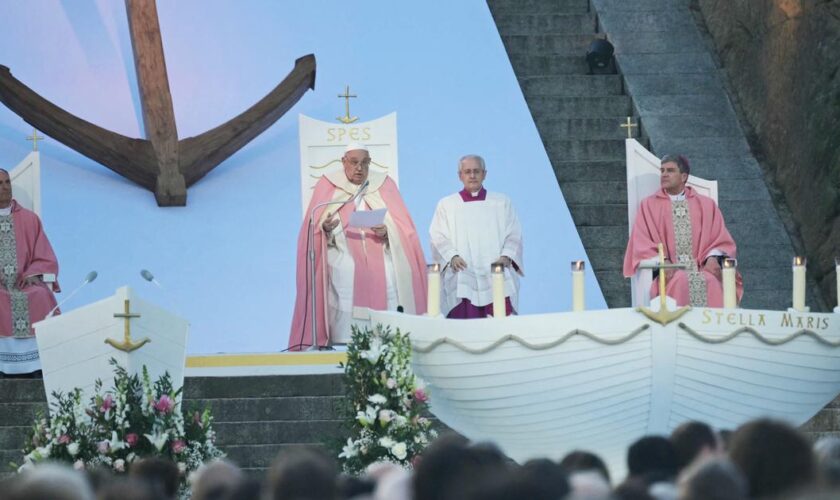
629, 125
34, 138
126, 345
663, 316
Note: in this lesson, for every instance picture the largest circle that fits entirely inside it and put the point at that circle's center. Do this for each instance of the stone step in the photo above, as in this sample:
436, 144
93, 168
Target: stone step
598, 192
260, 456
527, 65
22, 390
263, 386
544, 107
605, 170
277, 432
572, 85
545, 23
15, 414
13, 437
585, 128
598, 214
580, 150
539, 6
274, 409
604, 237
9, 457
547, 45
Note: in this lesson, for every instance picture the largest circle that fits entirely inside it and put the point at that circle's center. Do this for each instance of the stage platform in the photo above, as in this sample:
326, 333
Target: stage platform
287, 363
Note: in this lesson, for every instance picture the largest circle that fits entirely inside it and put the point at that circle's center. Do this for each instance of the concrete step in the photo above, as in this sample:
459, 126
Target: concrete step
604, 170
547, 45
545, 23
572, 85
539, 6
274, 409
21, 413
260, 456
544, 107
528, 65
13, 437
594, 192
8, 457
599, 214
604, 237
277, 432
263, 386
585, 128
581, 150
22, 390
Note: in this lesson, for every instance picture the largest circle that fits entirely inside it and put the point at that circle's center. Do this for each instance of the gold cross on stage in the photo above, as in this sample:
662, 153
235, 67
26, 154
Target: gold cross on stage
346, 96
629, 126
34, 138
126, 345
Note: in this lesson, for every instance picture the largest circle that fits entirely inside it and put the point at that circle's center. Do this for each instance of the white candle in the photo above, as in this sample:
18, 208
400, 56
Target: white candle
433, 298
577, 286
730, 300
799, 283
498, 290
837, 271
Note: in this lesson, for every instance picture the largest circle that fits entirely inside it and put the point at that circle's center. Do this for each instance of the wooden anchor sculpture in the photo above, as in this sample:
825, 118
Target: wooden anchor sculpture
160, 163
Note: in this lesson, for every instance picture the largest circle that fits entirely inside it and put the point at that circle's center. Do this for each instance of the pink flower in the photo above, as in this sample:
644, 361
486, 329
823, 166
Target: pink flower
420, 395
164, 404
178, 446
103, 447
64, 439
107, 403
131, 439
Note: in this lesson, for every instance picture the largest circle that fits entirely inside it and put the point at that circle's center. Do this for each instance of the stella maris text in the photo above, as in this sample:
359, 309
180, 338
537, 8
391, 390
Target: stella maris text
785, 320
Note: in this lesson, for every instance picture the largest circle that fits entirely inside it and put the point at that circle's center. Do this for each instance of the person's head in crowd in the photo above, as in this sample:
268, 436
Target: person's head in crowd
451, 469
247, 489
160, 474
588, 485
652, 459
539, 481
395, 485
692, 440
581, 461
303, 474
827, 452
775, 457
128, 488
712, 479
724, 438
549, 475
215, 479
634, 488
53, 481
352, 486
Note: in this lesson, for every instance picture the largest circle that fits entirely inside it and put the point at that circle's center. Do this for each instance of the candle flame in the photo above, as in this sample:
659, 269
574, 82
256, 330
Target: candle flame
578, 265
498, 268
433, 268
799, 260
730, 263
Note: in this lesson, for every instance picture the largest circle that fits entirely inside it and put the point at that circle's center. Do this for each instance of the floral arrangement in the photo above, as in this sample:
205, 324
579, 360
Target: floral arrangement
135, 419
386, 403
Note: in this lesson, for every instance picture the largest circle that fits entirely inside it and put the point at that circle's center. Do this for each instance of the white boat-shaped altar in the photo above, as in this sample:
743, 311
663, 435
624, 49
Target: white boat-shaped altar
543, 385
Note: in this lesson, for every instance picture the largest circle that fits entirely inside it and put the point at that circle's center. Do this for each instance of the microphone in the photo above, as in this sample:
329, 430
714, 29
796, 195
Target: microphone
148, 276
91, 276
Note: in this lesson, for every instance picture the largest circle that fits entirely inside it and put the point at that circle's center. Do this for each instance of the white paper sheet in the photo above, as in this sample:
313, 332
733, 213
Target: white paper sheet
368, 218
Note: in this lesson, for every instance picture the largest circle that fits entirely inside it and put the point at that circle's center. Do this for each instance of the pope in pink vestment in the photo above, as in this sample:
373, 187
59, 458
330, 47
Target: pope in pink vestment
400, 251
709, 238
25, 252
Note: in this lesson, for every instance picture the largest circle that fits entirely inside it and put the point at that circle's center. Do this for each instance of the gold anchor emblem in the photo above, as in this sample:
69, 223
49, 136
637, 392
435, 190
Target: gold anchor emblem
126, 345
663, 316
347, 119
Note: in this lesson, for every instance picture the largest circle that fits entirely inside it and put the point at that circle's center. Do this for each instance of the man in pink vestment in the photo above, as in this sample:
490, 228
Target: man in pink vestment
380, 267
691, 228
28, 268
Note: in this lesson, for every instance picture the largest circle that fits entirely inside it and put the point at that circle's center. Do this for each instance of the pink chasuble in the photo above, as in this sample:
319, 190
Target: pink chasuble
654, 224
20, 306
369, 284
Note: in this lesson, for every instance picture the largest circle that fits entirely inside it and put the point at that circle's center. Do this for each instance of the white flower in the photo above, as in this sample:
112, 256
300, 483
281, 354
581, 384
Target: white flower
400, 421
391, 383
131, 457
399, 450
386, 442
119, 465
158, 440
375, 352
378, 399
366, 417
78, 465
116, 443
385, 416
349, 450
182, 467
73, 449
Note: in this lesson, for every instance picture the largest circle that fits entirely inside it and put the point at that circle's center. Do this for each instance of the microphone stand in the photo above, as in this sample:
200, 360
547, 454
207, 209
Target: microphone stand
311, 254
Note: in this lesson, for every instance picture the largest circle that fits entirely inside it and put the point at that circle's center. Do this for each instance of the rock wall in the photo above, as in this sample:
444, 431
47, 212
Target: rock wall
782, 59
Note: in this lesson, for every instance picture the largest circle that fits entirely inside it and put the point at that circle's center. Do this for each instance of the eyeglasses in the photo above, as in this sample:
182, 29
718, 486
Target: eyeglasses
356, 163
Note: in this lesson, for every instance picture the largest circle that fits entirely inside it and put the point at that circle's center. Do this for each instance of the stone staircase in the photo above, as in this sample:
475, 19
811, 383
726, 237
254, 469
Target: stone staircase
255, 417
578, 117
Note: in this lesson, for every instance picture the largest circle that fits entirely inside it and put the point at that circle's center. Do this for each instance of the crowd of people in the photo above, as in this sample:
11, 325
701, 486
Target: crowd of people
763, 459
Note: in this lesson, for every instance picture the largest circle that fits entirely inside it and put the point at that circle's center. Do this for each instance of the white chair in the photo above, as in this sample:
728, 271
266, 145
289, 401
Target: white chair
643, 181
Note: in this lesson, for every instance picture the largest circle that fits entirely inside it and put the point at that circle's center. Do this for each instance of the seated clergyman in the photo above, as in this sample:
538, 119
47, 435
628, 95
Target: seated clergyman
693, 232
